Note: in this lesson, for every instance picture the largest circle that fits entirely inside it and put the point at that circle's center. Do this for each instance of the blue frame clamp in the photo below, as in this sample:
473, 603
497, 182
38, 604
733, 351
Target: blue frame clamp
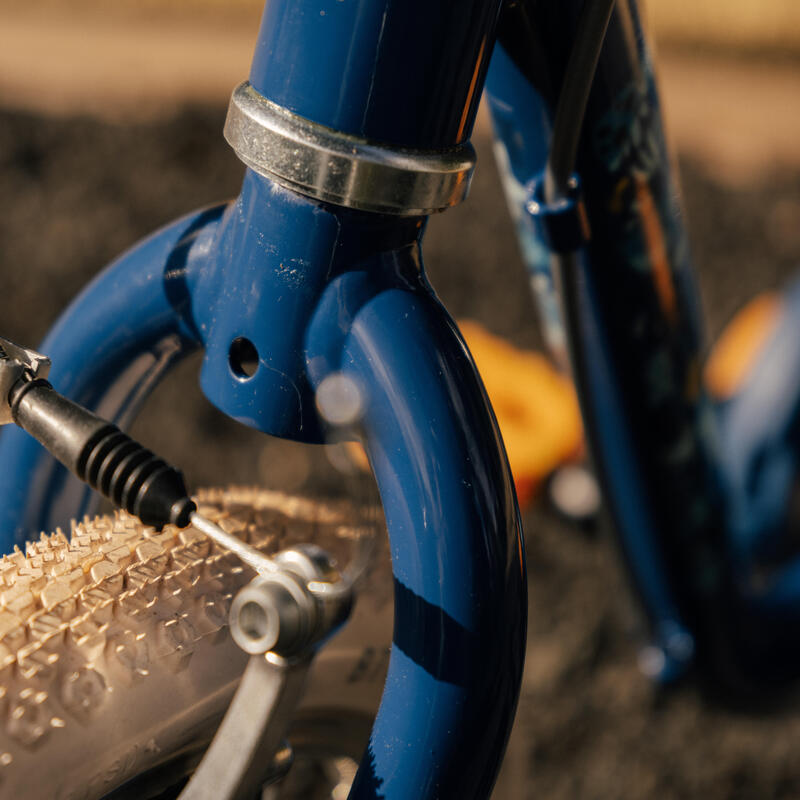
564, 224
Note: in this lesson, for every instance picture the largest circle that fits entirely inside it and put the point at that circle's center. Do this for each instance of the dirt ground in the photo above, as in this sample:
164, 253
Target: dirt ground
76, 190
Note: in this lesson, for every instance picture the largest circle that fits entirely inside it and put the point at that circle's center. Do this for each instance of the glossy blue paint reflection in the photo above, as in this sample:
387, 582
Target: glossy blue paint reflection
408, 72
522, 90
456, 551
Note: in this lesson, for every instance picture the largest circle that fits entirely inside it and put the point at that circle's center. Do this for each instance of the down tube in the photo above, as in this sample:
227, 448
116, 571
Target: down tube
520, 117
645, 308
460, 589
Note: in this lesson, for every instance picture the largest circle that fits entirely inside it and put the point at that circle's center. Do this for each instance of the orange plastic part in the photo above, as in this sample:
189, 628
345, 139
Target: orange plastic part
535, 405
737, 349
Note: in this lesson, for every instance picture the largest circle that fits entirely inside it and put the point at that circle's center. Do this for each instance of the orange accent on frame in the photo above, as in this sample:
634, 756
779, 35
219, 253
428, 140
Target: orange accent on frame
472, 84
656, 248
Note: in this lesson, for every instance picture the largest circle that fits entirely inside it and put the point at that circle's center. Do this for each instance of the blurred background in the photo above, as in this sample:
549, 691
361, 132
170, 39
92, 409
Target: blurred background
110, 125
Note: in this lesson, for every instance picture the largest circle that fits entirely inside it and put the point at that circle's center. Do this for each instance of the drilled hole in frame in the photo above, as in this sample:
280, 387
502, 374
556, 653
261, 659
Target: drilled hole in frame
243, 357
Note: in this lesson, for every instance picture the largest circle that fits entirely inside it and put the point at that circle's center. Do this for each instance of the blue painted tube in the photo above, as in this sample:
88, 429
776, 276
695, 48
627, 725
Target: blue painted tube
319, 289
460, 611
626, 494
275, 256
108, 349
522, 101
701, 519
407, 72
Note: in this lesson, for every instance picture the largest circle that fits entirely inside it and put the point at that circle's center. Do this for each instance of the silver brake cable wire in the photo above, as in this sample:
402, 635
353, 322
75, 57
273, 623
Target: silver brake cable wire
264, 565
567, 128
256, 560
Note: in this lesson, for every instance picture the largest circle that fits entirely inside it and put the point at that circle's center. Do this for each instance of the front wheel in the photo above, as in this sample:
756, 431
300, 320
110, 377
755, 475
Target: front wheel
116, 664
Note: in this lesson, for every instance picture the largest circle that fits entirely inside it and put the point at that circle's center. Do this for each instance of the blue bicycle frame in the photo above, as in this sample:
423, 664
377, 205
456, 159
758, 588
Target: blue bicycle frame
317, 288
699, 494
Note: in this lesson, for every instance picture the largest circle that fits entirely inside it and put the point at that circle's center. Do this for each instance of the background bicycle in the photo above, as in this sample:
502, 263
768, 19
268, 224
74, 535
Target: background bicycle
79, 190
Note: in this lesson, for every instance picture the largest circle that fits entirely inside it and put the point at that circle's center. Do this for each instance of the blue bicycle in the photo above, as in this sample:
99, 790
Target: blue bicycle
308, 297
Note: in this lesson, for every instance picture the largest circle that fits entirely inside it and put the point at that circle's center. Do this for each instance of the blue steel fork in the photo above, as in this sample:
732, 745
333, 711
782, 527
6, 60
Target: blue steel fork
317, 267
355, 126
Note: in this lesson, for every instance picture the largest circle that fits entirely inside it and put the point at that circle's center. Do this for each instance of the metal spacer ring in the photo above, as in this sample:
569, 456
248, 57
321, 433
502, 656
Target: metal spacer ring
338, 168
